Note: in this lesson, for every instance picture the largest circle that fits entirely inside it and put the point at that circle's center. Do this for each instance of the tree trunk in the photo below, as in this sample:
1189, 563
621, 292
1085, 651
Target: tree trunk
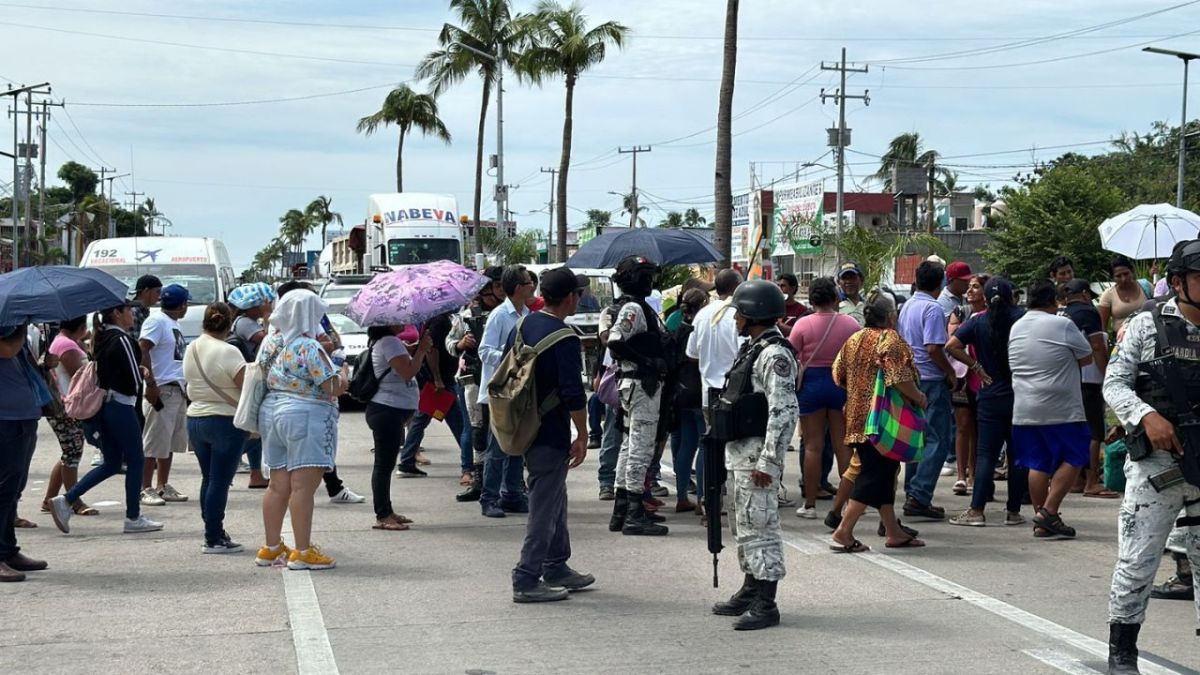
400, 160
564, 163
723, 188
483, 106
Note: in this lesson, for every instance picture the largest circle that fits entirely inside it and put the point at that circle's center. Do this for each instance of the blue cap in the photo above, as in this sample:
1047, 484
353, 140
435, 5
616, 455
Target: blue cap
174, 296
998, 287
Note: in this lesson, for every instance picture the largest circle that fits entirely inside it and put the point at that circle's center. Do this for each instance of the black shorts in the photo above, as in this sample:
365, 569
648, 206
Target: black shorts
1093, 407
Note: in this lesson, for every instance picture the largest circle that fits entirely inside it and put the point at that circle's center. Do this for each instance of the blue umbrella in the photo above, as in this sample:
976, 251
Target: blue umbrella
665, 246
56, 293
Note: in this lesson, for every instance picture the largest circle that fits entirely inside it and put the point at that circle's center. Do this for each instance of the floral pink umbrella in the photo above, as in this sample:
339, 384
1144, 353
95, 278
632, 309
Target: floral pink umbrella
414, 294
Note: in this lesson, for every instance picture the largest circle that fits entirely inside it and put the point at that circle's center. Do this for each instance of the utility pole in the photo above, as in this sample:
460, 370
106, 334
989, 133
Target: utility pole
133, 204
1186, 57
112, 224
840, 137
550, 233
43, 88
501, 188
633, 214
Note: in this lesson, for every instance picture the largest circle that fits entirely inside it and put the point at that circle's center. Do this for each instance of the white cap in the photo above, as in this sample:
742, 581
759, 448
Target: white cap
935, 258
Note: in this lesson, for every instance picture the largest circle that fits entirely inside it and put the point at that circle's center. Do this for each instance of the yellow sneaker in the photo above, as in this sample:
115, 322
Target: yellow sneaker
267, 555
310, 559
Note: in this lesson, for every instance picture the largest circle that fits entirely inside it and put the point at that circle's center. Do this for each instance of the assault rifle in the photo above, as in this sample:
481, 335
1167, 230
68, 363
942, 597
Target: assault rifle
714, 485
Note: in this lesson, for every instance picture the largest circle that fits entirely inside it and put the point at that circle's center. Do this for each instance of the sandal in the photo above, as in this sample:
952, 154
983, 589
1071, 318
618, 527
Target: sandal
855, 547
1103, 493
960, 488
1053, 524
400, 519
911, 542
257, 486
81, 509
388, 524
24, 524
466, 479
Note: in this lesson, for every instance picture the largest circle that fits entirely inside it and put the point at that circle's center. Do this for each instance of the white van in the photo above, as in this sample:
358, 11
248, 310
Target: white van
199, 264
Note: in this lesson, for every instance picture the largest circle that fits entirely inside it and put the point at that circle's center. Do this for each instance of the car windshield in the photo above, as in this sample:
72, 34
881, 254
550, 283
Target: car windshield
598, 295
416, 251
200, 280
344, 326
339, 292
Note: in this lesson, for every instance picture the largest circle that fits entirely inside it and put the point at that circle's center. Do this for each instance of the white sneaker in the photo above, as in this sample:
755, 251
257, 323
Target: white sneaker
949, 470
61, 512
243, 467
141, 524
151, 498
347, 497
97, 458
170, 494
807, 512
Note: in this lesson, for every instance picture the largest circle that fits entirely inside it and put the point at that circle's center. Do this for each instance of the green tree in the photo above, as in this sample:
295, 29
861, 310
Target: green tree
509, 249
908, 150
80, 180
409, 111
876, 251
562, 44
599, 218
488, 35
692, 218
723, 174
629, 205
320, 211
1057, 214
673, 219
295, 226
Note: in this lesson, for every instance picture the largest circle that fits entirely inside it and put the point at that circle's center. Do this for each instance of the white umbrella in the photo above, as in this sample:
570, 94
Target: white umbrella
1149, 230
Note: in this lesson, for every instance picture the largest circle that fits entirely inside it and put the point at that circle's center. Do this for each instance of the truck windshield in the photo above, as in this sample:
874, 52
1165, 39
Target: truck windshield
200, 280
416, 251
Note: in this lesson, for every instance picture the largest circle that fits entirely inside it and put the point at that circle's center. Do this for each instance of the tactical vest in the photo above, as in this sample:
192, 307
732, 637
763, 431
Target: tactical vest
651, 344
1170, 383
472, 368
740, 412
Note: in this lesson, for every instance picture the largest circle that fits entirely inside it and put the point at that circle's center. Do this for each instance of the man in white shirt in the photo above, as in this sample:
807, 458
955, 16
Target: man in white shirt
165, 402
714, 342
499, 468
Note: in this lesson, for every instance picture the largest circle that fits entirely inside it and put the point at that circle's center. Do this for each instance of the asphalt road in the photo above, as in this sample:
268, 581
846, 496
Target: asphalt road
436, 599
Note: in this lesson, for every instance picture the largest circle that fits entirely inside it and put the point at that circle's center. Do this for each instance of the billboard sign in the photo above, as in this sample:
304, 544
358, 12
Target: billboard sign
799, 219
740, 239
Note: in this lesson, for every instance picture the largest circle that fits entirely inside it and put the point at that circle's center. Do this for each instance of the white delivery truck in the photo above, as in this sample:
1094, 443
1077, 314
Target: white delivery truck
408, 228
199, 264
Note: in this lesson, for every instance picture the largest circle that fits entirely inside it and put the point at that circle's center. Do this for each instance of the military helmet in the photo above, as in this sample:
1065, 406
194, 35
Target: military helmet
1185, 257
759, 300
635, 269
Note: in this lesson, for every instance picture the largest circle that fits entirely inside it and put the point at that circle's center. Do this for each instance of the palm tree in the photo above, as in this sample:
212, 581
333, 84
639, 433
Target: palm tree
629, 204
598, 217
318, 209
692, 218
408, 110
295, 226
673, 219
723, 188
907, 150
563, 44
488, 36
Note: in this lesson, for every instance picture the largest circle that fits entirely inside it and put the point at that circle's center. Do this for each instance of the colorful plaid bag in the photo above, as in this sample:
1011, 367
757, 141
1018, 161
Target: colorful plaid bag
894, 426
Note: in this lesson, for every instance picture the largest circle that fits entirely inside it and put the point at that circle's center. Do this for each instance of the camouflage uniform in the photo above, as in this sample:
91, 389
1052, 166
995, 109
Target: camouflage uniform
1147, 516
755, 521
640, 407
459, 329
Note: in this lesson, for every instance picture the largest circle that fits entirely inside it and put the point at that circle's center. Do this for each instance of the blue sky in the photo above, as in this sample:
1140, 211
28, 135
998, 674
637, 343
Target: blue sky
231, 171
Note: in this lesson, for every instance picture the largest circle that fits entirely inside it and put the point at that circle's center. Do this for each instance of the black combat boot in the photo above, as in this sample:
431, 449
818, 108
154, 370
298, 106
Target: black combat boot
620, 509
636, 523
472, 493
740, 602
1122, 648
1179, 587
763, 613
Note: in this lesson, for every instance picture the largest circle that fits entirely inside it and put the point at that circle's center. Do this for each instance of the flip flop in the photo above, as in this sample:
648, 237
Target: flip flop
252, 486
24, 524
911, 542
1103, 494
82, 509
401, 519
389, 525
856, 547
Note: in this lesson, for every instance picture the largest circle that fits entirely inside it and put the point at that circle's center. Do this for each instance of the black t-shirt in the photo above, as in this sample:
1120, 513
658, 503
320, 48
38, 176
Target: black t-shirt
439, 329
1085, 316
977, 331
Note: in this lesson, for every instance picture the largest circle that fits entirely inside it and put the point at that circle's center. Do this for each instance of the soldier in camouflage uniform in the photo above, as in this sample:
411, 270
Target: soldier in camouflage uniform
637, 341
756, 459
463, 344
1157, 441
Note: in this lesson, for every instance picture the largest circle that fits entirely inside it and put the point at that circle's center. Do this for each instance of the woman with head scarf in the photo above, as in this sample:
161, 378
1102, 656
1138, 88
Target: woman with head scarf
299, 426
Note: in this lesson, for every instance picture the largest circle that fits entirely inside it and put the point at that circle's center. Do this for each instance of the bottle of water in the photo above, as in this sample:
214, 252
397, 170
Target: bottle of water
338, 357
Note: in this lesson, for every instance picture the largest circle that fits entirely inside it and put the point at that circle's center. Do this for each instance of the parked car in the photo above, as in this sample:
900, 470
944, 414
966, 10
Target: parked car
337, 291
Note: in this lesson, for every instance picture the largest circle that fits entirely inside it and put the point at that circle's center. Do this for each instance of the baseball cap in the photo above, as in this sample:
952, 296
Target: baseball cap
958, 270
998, 287
936, 259
849, 267
1076, 286
146, 282
561, 281
9, 331
174, 296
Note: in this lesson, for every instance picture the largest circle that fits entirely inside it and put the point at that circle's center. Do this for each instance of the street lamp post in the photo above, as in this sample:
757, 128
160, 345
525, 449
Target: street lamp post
1185, 57
501, 190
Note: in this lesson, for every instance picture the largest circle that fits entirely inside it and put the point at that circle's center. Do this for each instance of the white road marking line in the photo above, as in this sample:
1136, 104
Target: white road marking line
1061, 661
106, 503
314, 655
807, 547
1000, 608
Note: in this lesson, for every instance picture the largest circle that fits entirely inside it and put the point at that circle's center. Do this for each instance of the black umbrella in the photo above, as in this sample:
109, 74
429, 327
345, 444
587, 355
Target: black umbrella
665, 246
56, 293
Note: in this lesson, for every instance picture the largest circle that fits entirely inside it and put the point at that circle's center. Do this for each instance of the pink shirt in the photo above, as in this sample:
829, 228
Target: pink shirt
61, 345
807, 333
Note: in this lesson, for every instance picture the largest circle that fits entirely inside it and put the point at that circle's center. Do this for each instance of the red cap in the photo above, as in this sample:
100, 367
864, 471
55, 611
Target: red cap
958, 270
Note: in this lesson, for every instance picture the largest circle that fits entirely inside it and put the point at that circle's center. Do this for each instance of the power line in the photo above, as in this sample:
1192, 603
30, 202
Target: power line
95, 154
212, 104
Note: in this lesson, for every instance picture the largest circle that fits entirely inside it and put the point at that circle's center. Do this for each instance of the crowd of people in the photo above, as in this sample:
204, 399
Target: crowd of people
1004, 390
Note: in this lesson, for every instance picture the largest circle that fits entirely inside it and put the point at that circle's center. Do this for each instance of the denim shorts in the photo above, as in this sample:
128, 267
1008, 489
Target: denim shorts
297, 433
818, 392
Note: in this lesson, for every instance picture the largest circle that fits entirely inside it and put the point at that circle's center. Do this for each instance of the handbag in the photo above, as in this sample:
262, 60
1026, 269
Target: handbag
607, 390
894, 426
254, 390
191, 353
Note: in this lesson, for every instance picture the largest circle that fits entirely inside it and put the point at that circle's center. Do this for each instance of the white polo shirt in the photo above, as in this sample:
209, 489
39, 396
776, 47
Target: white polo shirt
714, 343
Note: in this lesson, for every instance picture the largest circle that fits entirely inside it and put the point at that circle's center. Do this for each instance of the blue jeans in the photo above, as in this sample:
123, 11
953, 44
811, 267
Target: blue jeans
420, 422
499, 470
17, 442
921, 478
120, 441
218, 447
610, 448
595, 411
687, 451
466, 452
994, 421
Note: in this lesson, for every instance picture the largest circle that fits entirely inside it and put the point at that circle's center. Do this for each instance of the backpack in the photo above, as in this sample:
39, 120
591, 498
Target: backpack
512, 393
84, 397
364, 383
246, 347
